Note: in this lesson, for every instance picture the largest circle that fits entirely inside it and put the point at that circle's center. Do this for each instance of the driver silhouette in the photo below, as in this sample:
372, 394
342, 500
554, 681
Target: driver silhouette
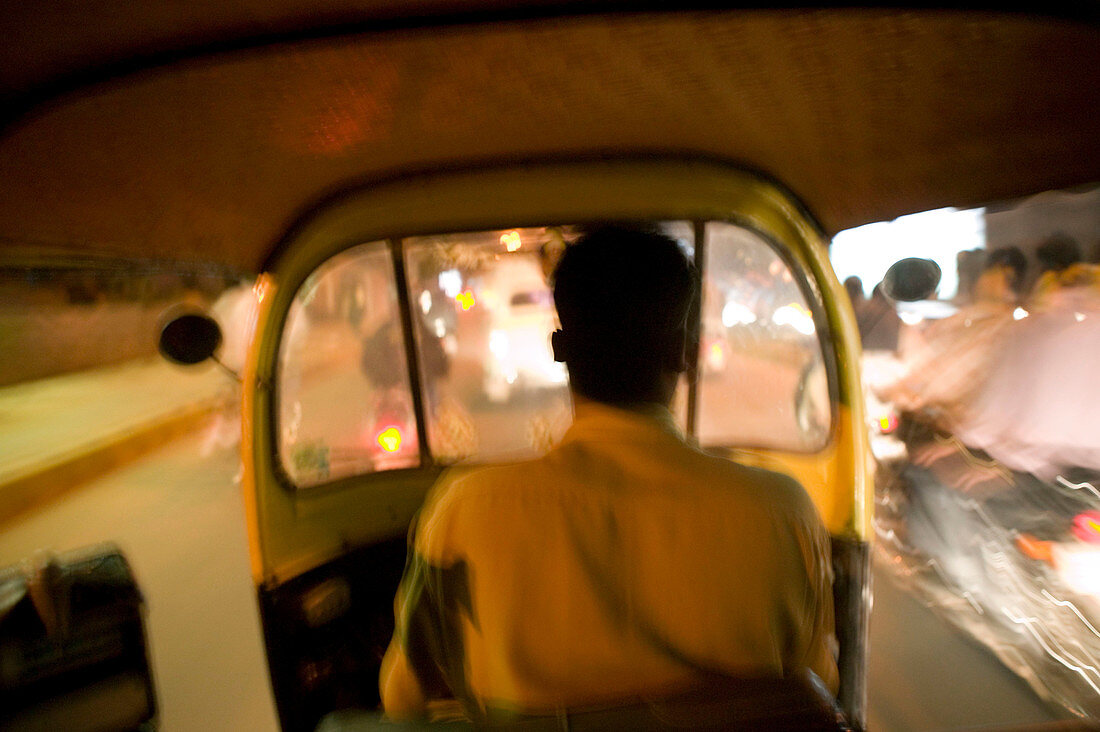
625, 563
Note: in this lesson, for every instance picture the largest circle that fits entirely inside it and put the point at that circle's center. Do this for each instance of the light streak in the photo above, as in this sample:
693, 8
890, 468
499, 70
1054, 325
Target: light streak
1073, 609
1032, 615
1027, 623
1079, 486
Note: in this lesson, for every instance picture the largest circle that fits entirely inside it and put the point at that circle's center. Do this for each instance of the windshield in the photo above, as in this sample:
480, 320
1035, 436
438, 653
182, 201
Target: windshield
434, 350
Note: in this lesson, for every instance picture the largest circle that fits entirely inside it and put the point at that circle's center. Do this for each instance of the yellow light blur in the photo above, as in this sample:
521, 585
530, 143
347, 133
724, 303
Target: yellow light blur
389, 439
716, 358
465, 299
511, 241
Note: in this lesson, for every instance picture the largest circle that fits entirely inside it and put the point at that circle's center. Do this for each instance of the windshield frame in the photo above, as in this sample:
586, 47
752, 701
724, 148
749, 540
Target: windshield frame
395, 247
297, 530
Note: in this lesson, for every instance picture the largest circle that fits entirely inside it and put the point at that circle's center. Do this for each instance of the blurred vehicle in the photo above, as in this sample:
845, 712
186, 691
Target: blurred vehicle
521, 316
989, 504
345, 155
1008, 557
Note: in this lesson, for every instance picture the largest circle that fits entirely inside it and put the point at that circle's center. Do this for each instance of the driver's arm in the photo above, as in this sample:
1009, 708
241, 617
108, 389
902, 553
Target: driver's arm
820, 647
402, 697
424, 657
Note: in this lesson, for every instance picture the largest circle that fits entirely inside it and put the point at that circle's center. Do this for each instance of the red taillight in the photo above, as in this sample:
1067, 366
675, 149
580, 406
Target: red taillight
1086, 526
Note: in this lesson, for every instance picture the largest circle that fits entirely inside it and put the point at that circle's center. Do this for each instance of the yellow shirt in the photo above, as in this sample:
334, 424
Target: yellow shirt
622, 564
1078, 275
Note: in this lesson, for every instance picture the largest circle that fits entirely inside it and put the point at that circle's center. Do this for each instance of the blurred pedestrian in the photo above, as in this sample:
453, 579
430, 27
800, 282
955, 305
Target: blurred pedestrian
1060, 262
235, 312
1037, 404
854, 287
1002, 278
879, 322
943, 375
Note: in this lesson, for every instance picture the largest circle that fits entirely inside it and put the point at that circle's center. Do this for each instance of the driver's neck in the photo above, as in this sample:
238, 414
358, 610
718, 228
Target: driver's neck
642, 406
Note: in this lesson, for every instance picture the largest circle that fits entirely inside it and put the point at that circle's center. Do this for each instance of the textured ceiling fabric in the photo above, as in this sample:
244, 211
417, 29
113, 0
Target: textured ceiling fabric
863, 115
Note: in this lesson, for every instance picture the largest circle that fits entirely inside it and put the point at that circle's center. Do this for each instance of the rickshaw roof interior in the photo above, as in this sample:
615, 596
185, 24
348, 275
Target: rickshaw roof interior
203, 132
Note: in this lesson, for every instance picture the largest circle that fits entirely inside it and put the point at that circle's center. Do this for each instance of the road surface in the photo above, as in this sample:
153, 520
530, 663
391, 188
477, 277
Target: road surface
178, 516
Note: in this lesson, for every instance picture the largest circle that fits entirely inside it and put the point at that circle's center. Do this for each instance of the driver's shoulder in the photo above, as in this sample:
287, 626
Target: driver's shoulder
472, 484
768, 488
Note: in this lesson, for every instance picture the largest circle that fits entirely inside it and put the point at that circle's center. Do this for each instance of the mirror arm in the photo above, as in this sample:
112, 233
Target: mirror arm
236, 376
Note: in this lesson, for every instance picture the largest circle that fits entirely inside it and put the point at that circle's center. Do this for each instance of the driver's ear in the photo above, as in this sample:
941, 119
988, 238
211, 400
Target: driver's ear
557, 345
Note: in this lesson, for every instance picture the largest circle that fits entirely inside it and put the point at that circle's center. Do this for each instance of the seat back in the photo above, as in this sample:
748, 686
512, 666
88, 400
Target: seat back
797, 702
73, 654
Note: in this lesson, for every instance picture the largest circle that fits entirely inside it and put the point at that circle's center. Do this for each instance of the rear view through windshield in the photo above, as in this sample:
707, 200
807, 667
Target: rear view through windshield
480, 383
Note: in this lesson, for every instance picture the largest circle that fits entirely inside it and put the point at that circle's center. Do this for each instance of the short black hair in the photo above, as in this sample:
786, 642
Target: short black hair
623, 294
854, 287
1058, 252
1013, 258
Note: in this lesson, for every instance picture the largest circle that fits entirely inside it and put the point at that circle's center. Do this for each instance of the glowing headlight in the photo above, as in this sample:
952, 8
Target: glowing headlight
1079, 567
498, 344
511, 241
450, 281
734, 313
795, 316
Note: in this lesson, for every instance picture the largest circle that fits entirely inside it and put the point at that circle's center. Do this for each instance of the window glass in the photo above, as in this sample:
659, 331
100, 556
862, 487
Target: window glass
344, 402
762, 379
484, 314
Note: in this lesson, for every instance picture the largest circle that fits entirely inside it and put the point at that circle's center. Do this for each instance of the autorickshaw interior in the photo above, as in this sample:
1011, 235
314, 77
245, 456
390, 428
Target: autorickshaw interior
397, 183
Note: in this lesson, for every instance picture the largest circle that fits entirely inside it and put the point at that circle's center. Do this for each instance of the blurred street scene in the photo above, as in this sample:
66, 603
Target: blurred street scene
982, 403
985, 573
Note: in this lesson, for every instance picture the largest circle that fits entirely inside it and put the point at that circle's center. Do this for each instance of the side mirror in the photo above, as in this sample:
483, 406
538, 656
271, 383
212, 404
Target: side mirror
189, 338
911, 279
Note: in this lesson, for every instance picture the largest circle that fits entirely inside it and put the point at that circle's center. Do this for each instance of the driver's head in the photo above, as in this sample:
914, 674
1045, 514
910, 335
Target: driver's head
623, 295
